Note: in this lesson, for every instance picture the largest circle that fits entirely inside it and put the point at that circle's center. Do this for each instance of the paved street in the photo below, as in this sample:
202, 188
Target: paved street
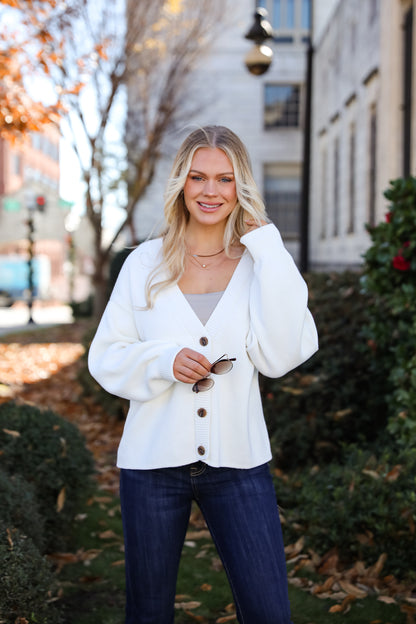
16, 317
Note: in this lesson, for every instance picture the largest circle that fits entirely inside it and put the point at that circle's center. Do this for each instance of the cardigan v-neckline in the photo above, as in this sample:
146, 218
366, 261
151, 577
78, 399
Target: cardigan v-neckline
189, 314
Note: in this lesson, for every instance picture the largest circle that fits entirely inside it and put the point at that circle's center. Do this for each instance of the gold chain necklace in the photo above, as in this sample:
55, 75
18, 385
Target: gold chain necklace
203, 265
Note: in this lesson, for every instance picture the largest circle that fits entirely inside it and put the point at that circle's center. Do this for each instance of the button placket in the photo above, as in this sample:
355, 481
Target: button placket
202, 405
202, 423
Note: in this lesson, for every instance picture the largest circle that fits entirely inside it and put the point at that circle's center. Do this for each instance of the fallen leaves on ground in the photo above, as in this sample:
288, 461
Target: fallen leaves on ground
62, 559
347, 584
46, 374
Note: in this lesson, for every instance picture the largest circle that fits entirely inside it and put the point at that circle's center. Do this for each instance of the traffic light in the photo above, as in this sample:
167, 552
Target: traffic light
40, 203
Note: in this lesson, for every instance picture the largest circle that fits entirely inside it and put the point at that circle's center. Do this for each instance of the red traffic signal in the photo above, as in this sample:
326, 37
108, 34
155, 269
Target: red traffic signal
40, 202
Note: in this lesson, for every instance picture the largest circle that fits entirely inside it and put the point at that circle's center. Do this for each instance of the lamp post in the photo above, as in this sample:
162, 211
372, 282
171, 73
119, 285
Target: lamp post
259, 58
34, 204
307, 133
30, 240
258, 61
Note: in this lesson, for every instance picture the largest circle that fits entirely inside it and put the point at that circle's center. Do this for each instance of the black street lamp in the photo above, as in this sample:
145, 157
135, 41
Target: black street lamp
30, 249
259, 59
38, 204
307, 134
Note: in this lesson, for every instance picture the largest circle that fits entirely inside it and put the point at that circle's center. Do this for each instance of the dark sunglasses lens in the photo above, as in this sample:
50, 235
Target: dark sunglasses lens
221, 367
202, 385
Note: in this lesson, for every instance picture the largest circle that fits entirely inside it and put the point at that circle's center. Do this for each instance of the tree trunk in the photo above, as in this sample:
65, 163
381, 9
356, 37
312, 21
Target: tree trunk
100, 285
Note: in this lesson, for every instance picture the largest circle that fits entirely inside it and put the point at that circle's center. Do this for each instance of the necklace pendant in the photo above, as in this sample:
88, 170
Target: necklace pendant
204, 266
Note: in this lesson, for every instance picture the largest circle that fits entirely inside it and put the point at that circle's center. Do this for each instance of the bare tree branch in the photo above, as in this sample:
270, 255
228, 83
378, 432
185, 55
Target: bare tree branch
141, 58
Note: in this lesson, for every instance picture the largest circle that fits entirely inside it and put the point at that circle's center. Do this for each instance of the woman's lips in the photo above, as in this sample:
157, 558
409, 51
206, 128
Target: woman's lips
209, 207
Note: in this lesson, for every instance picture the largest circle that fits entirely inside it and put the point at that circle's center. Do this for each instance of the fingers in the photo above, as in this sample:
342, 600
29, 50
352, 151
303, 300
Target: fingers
190, 366
252, 224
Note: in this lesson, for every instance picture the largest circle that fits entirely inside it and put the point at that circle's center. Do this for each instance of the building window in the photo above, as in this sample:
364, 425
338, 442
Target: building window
282, 190
290, 19
374, 9
372, 165
335, 229
17, 163
351, 184
283, 14
281, 106
306, 14
41, 143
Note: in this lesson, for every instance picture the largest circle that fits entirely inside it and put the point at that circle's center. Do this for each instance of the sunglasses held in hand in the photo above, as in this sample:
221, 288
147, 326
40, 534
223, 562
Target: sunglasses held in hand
221, 366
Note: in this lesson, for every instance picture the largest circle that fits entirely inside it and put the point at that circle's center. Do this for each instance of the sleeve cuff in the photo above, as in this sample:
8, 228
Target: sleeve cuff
261, 239
166, 363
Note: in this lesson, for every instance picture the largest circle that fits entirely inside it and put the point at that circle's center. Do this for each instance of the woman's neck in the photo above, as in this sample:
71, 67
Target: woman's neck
206, 240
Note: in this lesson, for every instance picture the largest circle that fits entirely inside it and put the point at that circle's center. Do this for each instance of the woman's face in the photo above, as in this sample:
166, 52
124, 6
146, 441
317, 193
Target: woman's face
210, 189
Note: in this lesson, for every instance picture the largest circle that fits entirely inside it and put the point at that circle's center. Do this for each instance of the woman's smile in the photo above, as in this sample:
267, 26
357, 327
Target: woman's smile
209, 207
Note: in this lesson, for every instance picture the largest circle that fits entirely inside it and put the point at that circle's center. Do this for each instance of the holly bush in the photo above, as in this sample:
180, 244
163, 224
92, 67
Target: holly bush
390, 276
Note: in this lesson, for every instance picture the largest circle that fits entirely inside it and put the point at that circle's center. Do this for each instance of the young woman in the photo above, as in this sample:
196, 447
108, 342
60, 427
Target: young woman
193, 318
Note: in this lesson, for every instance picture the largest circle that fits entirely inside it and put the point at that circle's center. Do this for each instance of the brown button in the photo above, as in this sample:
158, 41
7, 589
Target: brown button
201, 450
203, 341
202, 412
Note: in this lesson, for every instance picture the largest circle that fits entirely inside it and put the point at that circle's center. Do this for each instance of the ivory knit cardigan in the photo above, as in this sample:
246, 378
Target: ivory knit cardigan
262, 320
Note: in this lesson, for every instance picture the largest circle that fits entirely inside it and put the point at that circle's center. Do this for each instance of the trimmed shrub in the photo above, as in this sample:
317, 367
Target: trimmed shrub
50, 453
337, 396
20, 509
390, 277
26, 581
363, 508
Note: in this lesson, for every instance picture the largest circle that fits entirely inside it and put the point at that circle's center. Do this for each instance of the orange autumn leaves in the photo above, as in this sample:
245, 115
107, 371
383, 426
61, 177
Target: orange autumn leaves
33, 39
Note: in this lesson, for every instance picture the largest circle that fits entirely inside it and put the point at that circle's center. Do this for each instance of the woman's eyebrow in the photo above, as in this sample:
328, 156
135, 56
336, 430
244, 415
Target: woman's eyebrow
219, 174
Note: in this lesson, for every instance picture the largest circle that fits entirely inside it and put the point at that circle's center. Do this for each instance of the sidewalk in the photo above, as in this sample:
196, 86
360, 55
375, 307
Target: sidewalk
16, 318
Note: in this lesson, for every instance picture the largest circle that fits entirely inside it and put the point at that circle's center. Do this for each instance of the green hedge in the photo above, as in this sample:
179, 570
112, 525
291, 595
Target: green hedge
338, 395
49, 453
20, 508
27, 584
364, 507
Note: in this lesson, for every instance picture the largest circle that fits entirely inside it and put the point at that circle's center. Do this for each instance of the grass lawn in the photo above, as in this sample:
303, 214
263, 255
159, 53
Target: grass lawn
93, 586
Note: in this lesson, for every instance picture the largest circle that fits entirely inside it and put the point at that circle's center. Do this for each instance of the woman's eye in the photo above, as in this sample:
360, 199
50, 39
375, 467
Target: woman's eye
195, 177
226, 180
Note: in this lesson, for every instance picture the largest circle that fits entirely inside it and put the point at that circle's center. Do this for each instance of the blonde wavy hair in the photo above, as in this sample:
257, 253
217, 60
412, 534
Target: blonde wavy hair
249, 205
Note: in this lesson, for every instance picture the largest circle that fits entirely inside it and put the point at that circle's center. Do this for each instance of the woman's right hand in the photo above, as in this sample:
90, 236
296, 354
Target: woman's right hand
190, 366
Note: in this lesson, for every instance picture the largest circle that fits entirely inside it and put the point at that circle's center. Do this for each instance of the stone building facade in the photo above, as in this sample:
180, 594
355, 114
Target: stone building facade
363, 126
363, 116
265, 111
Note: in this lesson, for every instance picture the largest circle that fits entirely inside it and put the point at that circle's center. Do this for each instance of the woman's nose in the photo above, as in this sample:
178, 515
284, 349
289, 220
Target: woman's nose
210, 187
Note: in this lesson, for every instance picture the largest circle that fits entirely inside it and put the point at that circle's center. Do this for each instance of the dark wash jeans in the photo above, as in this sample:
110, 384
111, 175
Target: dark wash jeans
241, 512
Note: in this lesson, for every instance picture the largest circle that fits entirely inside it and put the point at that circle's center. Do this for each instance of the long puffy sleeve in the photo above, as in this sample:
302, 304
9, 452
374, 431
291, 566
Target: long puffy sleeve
121, 362
282, 332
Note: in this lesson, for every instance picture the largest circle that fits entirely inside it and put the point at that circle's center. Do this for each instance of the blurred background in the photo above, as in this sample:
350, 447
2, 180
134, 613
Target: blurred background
95, 101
